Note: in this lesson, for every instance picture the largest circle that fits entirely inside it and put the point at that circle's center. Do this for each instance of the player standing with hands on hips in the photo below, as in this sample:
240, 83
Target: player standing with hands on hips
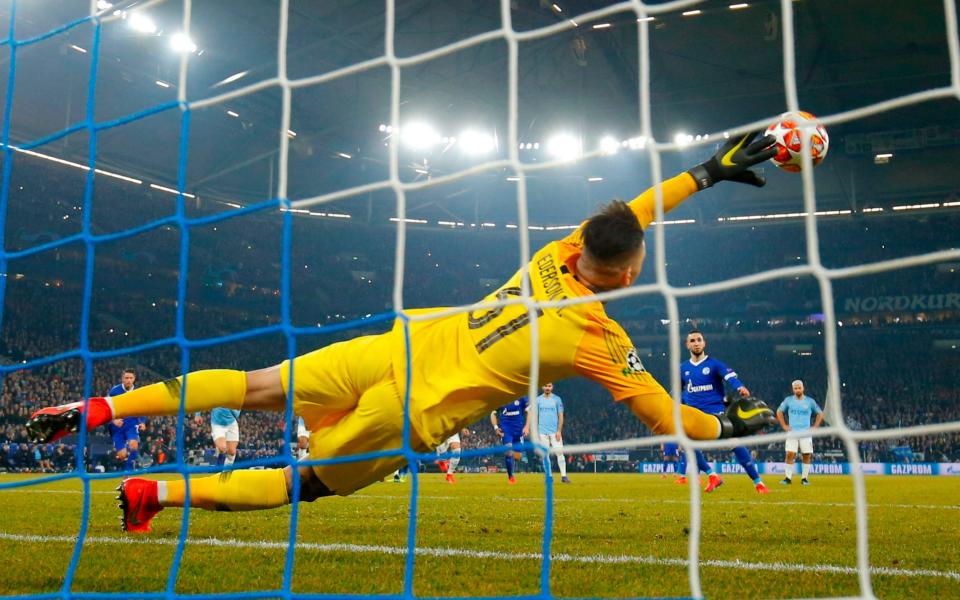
799, 407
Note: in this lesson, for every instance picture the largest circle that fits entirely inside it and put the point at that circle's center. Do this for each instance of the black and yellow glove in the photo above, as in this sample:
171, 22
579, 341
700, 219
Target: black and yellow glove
733, 160
745, 416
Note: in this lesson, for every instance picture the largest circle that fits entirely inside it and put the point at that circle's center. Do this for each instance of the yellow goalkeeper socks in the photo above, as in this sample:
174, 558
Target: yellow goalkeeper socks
205, 390
230, 490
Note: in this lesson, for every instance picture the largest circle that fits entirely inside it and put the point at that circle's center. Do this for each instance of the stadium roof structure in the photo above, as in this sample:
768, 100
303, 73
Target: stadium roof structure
711, 70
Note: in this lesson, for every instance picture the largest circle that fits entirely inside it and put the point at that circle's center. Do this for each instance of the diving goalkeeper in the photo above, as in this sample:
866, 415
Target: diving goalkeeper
461, 366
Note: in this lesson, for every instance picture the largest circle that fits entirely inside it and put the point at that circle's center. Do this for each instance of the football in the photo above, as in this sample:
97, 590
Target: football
789, 130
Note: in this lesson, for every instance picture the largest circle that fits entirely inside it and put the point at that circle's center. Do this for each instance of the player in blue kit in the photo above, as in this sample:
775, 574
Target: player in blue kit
126, 432
799, 408
703, 378
511, 428
671, 455
225, 430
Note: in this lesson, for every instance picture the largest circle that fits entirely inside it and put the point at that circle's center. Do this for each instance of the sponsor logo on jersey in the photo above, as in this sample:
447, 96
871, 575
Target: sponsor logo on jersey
708, 387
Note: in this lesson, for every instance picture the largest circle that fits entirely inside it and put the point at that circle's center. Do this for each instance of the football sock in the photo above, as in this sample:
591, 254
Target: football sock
509, 462
454, 461
205, 390
230, 458
230, 490
788, 471
805, 470
562, 465
702, 463
746, 461
682, 465
131, 462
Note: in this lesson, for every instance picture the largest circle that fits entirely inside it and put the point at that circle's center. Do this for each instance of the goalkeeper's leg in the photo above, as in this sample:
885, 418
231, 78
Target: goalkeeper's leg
142, 499
203, 390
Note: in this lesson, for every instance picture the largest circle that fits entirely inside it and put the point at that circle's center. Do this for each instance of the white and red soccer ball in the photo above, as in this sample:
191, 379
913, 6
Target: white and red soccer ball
789, 130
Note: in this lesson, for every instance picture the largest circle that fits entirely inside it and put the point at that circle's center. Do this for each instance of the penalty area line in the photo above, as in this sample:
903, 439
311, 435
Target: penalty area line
512, 556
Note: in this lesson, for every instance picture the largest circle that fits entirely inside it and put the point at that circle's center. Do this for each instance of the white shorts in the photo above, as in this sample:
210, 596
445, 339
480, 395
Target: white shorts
231, 432
805, 444
550, 440
445, 446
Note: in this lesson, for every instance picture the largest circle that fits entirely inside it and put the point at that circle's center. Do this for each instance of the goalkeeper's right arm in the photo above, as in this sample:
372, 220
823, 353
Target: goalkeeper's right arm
745, 416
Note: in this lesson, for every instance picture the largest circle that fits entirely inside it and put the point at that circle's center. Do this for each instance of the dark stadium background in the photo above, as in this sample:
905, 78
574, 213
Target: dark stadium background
708, 73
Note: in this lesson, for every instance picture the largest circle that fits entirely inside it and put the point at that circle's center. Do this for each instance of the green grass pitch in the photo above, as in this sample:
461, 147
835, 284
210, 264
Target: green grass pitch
613, 536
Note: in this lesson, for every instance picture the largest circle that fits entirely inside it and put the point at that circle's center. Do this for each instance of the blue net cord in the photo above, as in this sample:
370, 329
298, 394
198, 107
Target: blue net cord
89, 357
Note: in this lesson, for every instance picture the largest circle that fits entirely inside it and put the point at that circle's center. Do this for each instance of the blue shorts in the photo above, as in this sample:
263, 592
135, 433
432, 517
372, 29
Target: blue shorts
671, 449
512, 437
122, 437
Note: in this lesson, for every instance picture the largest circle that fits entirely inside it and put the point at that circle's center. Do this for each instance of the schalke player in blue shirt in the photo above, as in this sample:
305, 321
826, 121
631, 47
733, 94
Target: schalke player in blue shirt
512, 426
799, 408
703, 378
126, 432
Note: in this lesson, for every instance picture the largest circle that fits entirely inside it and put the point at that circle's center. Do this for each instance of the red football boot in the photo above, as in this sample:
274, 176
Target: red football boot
762, 489
713, 482
138, 503
54, 422
450, 478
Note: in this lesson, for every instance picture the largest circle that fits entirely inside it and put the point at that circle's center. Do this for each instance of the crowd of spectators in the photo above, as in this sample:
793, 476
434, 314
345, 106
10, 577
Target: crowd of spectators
891, 372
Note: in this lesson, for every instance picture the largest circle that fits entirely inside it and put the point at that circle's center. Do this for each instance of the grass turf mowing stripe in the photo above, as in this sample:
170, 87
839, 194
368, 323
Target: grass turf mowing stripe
751, 501
448, 552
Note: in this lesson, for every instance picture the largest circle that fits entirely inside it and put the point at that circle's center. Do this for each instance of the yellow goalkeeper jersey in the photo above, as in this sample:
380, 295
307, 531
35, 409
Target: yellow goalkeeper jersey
462, 366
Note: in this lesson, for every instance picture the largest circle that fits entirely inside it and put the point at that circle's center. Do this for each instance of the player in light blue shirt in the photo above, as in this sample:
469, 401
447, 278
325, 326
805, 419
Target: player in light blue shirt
703, 378
550, 427
225, 430
126, 432
799, 409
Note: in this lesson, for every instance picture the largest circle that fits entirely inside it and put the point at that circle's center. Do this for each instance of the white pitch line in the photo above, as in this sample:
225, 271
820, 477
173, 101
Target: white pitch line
460, 552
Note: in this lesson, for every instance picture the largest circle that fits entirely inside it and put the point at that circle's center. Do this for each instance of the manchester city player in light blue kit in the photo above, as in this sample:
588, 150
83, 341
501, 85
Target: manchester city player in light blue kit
799, 408
550, 427
225, 430
126, 432
511, 428
703, 378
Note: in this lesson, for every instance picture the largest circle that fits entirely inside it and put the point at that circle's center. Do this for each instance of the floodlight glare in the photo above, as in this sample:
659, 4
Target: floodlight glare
419, 135
609, 145
564, 146
682, 139
103, 5
181, 42
476, 142
141, 23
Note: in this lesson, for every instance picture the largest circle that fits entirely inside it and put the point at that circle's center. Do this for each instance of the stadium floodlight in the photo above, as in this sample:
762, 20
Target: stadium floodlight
682, 139
103, 5
78, 49
141, 23
419, 135
475, 142
181, 42
564, 146
609, 145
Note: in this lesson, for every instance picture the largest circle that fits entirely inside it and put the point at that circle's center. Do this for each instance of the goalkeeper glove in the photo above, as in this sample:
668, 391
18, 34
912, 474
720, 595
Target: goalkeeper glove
733, 160
744, 417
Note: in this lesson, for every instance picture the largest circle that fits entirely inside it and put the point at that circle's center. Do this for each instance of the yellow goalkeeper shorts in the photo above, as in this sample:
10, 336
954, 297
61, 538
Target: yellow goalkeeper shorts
348, 398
